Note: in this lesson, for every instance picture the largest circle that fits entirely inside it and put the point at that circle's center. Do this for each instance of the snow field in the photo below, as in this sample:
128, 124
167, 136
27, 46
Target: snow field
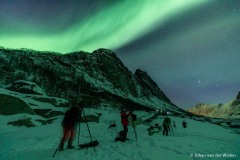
40, 142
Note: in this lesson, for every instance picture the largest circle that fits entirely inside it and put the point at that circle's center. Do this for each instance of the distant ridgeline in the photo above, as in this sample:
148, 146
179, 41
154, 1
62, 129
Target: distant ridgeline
96, 79
228, 110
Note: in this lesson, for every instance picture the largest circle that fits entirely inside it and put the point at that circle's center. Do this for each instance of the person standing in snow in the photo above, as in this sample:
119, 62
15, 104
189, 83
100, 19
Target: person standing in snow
71, 117
184, 124
124, 120
166, 125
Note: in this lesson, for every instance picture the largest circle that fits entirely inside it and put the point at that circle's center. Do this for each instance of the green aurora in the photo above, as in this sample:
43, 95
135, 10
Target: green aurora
190, 48
110, 27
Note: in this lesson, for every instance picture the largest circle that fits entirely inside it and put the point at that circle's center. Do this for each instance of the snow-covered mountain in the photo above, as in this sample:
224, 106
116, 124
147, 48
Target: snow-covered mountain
228, 110
95, 79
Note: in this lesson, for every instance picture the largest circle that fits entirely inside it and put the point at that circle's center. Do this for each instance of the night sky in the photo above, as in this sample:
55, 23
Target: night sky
190, 48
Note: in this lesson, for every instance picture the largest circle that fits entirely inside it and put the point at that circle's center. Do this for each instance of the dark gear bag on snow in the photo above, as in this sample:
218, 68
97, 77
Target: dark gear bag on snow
134, 117
90, 144
121, 136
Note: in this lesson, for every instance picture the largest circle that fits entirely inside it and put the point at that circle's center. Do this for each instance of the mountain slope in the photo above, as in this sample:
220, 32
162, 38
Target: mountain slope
228, 110
92, 78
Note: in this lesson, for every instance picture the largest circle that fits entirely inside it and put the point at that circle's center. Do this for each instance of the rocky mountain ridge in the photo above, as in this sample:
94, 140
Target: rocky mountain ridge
94, 79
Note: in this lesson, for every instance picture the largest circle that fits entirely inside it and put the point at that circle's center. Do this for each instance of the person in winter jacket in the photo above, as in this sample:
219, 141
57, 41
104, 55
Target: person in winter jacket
124, 120
68, 124
184, 124
166, 125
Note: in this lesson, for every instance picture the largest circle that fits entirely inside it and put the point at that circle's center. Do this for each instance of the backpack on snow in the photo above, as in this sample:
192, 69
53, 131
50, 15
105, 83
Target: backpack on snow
134, 117
121, 136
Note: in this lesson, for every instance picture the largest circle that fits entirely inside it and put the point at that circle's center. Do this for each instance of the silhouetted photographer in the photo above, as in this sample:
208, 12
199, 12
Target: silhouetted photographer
72, 116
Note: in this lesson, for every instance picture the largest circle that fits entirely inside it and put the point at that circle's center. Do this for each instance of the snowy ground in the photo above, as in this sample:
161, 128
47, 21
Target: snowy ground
199, 141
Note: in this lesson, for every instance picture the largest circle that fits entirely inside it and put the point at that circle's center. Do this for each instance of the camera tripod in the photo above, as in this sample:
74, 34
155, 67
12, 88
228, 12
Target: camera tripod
85, 119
